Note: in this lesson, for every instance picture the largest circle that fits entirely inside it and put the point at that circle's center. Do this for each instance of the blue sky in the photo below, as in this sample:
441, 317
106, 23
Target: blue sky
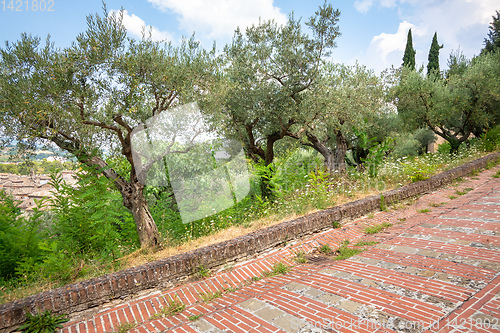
373, 31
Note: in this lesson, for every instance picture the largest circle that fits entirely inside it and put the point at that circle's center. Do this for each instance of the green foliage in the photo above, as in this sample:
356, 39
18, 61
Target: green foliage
405, 145
275, 60
412, 144
40, 167
418, 170
424, 210
99, 89
377, 228
90, 217
203, 272
20, 236
491, 139
125, 327
208, 297
454, 108
433, 64
365, 243
325, 248
345, 100
300, 257
279, 268
88, 225
344, 252
492, 163
464, 191
492, 43
267, 174
194, 317
45, 322
383, 207
409, 55
172, 307
457, 64
377, 155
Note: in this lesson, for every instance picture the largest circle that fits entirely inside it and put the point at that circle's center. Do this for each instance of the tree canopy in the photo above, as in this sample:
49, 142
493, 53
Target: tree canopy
433, 64
492, 42
409, 55
455, 108
346, 97
88, 98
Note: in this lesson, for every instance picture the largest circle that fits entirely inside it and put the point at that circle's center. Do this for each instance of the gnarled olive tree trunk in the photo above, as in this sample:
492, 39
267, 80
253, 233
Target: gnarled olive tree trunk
334, 158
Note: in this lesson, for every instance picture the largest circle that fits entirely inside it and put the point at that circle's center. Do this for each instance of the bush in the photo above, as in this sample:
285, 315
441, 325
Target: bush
19, 236
90, 217
88, 224
491, 139
425, 137
406, 146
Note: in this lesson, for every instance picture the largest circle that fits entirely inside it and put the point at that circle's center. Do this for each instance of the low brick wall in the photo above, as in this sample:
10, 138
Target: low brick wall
165, 272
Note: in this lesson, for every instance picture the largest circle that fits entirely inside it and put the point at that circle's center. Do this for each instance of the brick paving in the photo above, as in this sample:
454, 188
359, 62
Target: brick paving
432, 271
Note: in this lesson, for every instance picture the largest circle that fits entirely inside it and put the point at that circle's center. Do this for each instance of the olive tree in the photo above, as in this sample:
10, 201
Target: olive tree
344, 98
454, 108
270, 68
88, 98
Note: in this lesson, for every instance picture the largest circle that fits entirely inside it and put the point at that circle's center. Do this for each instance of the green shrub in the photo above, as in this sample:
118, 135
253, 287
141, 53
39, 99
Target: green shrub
43, 322
19, 236
491, 139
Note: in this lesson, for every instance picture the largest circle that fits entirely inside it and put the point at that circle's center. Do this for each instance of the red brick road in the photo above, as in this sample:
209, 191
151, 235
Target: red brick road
433, 271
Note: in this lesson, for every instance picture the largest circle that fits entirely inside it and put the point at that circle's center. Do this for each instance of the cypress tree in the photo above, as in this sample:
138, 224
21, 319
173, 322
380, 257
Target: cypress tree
433, 64
493, 41
409, 56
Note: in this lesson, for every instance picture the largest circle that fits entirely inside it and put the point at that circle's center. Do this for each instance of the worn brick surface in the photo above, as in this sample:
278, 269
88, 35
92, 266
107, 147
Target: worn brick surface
435, 271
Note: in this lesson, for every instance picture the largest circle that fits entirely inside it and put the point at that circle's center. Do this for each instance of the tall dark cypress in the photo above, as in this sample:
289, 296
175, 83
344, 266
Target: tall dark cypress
433, 64
409, 56
493, 41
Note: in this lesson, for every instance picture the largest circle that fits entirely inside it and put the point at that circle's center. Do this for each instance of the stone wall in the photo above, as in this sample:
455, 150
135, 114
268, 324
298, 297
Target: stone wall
166, 272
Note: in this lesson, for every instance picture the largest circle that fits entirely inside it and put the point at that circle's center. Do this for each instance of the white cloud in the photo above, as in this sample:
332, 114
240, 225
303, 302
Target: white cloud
388, 3
459, 24
136, 26
387, 43
219, 18
363, 6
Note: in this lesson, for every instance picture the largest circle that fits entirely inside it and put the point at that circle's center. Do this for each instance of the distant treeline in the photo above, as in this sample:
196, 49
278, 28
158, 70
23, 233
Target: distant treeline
40, 167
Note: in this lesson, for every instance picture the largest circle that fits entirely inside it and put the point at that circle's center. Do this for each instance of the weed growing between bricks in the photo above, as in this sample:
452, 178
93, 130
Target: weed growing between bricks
325, 248
366, 243
277, 269
377, 228
125, 327
173, 307
464, 191
344, 252
208, 297
300, 257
